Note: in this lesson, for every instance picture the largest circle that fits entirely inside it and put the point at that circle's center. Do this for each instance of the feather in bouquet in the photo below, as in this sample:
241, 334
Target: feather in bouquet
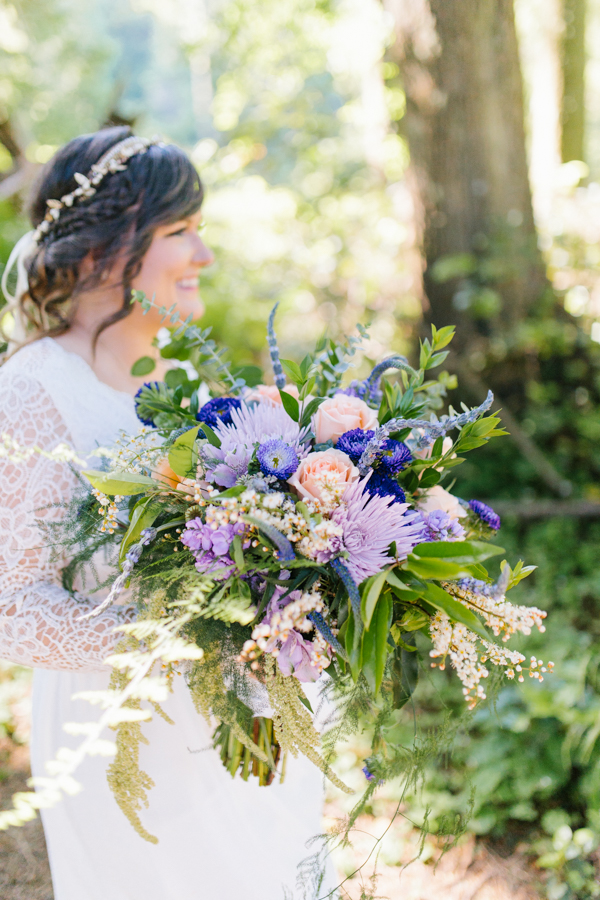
274, 533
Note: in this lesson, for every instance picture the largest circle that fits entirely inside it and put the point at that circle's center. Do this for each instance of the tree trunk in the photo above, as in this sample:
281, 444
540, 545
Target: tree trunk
464, 124
573, 66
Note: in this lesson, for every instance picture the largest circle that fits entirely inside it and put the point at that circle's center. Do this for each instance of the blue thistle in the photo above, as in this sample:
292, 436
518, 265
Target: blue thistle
218, 410
138, 401
395, 457
354, 443
383, 486
277, 458
485, 513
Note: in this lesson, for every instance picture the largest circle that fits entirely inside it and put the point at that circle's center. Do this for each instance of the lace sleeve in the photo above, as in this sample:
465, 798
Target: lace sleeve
40, 621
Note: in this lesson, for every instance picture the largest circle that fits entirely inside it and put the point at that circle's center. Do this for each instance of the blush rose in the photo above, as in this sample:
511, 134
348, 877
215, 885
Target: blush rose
324, 470
437, 498
339, 414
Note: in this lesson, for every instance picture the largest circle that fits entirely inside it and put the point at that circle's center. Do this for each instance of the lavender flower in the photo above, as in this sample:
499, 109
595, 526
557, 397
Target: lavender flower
368, 774
431, 431
218, 410
485, 513
370, 524
277, 458
441, 527
210, 547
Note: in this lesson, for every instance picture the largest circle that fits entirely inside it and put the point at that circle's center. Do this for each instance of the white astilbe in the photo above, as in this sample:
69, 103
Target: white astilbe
134, 453
313, 539
458, 643
501, 616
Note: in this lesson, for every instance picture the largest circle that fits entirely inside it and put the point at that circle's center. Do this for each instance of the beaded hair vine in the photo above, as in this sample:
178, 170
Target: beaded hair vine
114, 160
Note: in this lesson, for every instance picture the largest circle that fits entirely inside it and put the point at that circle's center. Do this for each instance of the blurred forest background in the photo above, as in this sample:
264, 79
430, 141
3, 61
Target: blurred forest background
396, 163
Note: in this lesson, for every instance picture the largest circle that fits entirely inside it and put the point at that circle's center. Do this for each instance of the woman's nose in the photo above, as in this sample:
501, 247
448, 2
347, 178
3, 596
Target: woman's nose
203, 255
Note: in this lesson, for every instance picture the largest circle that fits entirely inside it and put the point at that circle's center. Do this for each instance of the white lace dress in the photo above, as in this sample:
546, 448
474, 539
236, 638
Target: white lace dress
219, 838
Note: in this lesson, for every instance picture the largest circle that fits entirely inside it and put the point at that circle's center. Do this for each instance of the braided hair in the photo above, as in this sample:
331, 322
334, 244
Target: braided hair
157, 187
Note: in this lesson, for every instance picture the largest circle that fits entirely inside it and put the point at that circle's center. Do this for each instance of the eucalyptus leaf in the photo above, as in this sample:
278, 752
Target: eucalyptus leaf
143, 366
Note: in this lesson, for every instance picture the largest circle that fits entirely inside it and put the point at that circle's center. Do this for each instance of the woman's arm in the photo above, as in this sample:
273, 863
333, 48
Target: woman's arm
40, 622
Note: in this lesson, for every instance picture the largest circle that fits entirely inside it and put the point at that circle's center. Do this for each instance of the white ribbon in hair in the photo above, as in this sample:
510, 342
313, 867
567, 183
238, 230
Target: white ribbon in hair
19, 254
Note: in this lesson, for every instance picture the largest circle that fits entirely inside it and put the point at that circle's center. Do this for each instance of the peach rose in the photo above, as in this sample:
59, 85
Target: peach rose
270, 393
339, 414
324, 475
438, 498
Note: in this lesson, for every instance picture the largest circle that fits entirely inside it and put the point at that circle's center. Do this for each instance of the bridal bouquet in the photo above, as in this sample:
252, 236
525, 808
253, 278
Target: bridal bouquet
275, 532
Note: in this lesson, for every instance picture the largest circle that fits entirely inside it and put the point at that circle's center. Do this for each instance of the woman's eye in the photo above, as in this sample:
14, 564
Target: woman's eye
179, 231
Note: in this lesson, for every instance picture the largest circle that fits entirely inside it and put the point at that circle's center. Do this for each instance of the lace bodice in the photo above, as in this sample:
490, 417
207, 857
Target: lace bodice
49, 396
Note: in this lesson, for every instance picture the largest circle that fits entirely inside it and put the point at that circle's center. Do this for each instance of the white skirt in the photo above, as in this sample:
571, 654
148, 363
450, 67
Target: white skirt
220, 838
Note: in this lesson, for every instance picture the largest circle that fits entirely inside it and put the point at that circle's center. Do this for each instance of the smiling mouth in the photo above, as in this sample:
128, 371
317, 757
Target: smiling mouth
187, 284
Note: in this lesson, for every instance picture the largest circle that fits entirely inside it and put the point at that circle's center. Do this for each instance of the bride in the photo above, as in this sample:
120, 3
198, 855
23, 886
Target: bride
128, 220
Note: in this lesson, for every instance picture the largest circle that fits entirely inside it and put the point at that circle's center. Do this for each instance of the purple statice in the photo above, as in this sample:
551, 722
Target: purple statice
370, 524
353, 443
218, 410
395, 457
383, 486
441, 527
210, 546
485, 513
368, 774
250, 425
277, 458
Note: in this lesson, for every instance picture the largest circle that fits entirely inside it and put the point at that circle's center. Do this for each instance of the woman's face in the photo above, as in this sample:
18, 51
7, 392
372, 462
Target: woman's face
172, 264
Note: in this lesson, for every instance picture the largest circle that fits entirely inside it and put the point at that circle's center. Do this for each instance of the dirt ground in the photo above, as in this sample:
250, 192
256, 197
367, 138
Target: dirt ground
24, 870
468, 872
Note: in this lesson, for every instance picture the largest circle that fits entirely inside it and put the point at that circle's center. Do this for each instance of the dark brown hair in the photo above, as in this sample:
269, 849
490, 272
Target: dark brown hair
156, 188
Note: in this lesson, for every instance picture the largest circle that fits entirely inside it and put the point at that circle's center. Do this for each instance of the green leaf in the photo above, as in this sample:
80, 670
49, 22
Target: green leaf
291, 405
238, 553
119, 483
441, 337
442, 600
438, 569
175, 378
413, 620
458, 551
371, 590
309, 411
183, 456
292, 370
353, 645
375, 647
210, 435
143, 515
437, 359
305, 701
430, 478
143, 366
402, 591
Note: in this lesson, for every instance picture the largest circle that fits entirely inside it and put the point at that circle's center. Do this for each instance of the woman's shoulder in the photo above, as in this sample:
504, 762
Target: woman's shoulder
32, 360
